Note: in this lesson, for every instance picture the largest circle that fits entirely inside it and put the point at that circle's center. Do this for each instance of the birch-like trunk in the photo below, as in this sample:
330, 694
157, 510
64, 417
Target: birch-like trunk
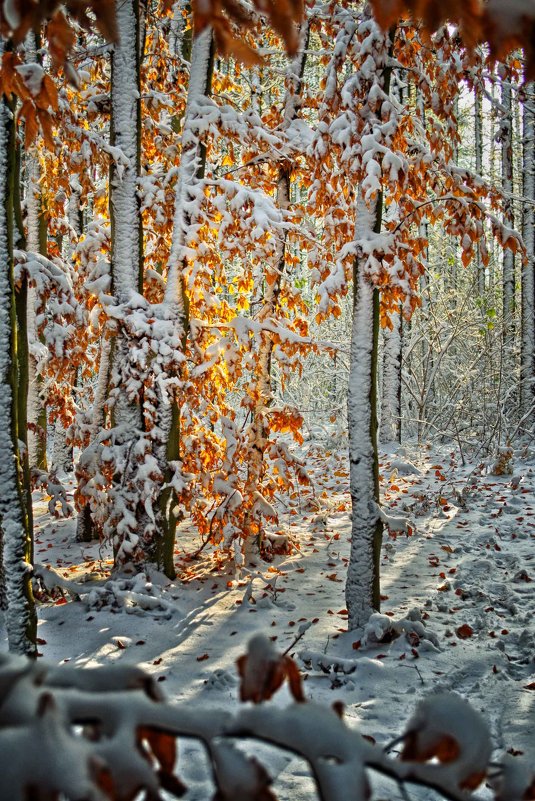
363, 576
191, 170
126, 234
527, 354
259, 429
390, 427
508, 276
16, 540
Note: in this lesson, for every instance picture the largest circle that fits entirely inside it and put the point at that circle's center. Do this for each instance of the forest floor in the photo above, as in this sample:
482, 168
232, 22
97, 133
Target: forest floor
464, 580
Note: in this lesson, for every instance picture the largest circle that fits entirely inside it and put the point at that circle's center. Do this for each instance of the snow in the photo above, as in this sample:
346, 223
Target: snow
188, 633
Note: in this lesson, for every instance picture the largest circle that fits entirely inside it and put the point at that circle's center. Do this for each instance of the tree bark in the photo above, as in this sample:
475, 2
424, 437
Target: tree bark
259, 430
390, 427
363, 582
21, 620
36, 243
363, 577
527, 354
192, 166
478, 149
508, 277
126, 239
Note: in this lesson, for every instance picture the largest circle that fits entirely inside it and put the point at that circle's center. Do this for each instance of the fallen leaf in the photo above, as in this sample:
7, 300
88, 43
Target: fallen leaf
464, 632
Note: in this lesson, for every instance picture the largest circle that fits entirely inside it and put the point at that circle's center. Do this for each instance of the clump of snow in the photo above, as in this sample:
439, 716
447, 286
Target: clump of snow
383, 629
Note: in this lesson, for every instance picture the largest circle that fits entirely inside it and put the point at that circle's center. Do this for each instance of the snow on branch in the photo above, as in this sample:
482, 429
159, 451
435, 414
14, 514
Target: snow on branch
108, 733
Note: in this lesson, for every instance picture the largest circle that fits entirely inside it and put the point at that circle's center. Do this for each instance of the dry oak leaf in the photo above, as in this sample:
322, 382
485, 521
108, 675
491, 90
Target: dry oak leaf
263, 670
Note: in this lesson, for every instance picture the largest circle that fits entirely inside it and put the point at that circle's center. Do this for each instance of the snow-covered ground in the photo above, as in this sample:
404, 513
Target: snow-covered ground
458, 606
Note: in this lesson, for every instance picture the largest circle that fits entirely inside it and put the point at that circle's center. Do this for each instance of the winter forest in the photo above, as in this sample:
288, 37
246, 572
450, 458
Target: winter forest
267, 400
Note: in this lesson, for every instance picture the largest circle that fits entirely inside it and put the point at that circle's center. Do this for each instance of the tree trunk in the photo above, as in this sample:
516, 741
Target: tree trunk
363, 577
478, 148
508, 278
21, 620
390, 428
259, 429
62, 454
192, 166
363, 587
86, 530
36, 243
527, 387
127, 245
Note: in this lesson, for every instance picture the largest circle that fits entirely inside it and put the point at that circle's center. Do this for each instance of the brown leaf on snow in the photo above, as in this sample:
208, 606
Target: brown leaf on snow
464, 632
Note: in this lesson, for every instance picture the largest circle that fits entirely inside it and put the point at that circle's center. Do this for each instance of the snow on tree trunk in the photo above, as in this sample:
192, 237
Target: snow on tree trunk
35, 243
259, 428
478, 147
191, 170
390, 427
362, 587
85, 527
363, 576
527, 387
16, 536
191, 167
125, 134
176, 32
62, 455
126, 235
508, 278
37, 430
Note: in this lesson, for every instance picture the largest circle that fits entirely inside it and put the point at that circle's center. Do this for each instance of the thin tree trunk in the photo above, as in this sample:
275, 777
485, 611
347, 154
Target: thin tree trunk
259, 429
478, 147
390, 427
192, 166
363, 584
62, 454
36, 243
508, 277
86, 530
21, 621
363, 577
527, 356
